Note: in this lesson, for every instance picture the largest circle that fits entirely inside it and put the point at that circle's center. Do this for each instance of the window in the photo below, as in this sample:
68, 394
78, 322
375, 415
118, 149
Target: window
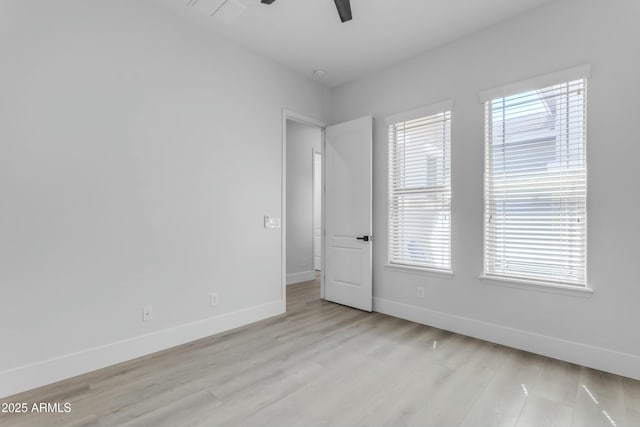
535, 185
420, 188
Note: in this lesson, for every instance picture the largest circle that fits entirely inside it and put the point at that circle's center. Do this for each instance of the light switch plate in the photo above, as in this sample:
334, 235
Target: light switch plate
270, 222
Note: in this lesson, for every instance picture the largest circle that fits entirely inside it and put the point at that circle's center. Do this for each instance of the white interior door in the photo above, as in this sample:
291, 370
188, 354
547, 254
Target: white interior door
317, 211
348, 219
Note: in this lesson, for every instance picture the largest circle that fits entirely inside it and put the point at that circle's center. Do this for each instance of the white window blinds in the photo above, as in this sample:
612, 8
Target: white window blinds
420, 191
535, 185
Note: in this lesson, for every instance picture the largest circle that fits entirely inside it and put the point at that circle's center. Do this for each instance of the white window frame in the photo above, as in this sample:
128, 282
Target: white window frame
426, 111
559, 77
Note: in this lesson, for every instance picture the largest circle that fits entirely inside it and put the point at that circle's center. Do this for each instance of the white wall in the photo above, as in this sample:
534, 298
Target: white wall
138, 156
598, 330
302, 140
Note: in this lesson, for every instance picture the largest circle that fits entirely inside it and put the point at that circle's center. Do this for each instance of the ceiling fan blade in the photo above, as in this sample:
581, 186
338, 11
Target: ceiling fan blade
344, 9
268, 1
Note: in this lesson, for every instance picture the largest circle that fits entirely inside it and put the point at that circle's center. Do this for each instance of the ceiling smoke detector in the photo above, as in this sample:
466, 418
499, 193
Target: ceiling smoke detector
319, 73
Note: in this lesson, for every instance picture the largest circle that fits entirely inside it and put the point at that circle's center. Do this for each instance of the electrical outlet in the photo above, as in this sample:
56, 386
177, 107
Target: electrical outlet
147, 313
214, 299
420, 291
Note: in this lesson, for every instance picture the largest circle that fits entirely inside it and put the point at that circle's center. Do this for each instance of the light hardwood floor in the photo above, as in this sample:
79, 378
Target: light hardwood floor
323, 364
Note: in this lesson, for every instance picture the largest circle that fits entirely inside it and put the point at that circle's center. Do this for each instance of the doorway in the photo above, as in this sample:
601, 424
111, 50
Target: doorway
338, 160
303, 202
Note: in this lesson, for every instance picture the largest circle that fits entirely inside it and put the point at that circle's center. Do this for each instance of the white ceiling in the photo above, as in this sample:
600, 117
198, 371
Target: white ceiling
307, 34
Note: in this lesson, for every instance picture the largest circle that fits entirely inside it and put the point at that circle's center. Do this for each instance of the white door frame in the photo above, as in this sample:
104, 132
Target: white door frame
315, 153
309, 121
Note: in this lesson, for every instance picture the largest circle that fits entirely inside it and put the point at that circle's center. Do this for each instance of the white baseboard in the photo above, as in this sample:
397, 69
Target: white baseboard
37, 374
624, 364
304, 276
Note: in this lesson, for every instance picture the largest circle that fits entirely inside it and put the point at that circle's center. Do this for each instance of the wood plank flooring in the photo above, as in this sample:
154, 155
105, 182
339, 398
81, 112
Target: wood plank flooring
323, 364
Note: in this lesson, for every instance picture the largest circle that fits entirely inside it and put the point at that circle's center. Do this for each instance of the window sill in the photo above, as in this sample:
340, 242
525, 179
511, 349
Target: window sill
540, 286
419, 270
